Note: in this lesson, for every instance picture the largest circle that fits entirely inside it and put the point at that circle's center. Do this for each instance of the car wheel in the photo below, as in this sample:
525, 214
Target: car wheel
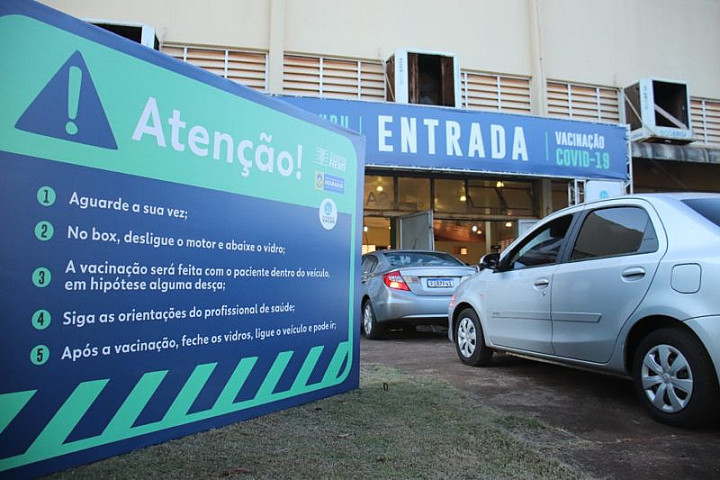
371, 328
469, 339
674, 379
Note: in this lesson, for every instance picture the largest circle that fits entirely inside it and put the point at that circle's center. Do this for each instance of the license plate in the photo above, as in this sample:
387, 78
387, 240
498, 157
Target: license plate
440, 283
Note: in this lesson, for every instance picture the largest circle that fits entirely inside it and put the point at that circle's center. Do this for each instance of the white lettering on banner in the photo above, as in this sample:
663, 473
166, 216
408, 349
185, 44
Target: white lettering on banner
384, 134
497, 141
261, 156
456, 138
519, 149
431, 124
452, 139
408, 134
584, 140
476, 142
143, 127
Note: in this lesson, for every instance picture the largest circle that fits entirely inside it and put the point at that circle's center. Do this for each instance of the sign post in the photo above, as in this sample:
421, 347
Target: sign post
169, 262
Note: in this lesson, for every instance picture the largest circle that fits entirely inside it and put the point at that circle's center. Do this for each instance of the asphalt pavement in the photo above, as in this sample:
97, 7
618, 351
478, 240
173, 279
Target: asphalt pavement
608, 433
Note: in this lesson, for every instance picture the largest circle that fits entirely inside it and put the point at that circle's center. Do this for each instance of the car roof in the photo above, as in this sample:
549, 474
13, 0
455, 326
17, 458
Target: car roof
664, 196
384, 252
671, 198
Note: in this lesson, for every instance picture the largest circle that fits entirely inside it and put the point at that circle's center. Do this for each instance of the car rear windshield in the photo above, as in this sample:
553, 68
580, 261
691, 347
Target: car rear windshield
422, 259
707, 207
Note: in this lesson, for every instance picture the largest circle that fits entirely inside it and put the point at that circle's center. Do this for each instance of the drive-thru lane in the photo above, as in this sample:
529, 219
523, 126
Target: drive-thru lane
608, 433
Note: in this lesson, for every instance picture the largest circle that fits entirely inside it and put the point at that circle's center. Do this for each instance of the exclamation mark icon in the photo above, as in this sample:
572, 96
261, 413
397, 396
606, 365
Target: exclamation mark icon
68, 107
74, 84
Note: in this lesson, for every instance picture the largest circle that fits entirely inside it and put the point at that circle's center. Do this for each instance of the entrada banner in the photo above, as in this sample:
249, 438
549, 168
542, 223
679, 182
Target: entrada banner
449, 139
177, 252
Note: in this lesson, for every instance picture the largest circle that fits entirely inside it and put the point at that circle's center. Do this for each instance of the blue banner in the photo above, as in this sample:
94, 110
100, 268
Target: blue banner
437, 138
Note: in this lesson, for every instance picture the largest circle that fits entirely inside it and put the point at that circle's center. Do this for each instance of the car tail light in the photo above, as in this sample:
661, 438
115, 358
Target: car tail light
395, 281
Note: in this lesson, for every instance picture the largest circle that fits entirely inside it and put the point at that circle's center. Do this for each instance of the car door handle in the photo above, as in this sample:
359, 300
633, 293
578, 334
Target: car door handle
541, 283
633, 273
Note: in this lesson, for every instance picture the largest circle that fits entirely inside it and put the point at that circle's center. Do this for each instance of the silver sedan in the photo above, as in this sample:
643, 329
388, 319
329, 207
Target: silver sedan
407, 288
626, 285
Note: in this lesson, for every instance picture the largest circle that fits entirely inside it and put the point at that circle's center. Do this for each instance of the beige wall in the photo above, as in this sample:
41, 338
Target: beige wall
228, 23
602, 42
376, 28
614, 42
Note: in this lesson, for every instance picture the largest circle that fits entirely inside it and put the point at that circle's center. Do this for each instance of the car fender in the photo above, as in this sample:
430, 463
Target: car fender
708, 331
470, 293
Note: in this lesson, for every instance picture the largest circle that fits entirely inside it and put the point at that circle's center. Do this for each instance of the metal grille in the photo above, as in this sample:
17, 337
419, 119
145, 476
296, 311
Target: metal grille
487, 91
583, 102
244, 67
333, 78
705, 117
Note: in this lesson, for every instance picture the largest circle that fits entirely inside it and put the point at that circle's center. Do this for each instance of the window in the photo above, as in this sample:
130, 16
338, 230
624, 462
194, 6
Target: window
500, 197
652, 103
487, 91
423, 77
379, 193
333, 78
450, 196
435, 259
615, 231
368, 264
376, 235
137, 32
583, 102
413, 194
543, 247
559, 195
707, 207
246, 68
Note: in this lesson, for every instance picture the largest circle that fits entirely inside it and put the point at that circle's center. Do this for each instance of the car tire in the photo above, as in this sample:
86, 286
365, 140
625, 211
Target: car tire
370, 327
675, 379
469, 339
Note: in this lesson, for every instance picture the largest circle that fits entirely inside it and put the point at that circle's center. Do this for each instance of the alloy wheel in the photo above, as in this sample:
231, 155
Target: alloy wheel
667, 378
368, 319
466, 337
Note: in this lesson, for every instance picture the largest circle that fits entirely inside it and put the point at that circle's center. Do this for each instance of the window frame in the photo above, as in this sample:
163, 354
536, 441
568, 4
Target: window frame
372, 262
572, 241
508, 261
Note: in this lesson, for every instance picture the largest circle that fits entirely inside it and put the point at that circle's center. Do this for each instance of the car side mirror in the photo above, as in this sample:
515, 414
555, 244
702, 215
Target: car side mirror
490, 261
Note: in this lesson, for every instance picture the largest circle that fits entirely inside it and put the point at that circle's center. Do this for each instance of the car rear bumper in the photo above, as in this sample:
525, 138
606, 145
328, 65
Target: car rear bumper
408, 308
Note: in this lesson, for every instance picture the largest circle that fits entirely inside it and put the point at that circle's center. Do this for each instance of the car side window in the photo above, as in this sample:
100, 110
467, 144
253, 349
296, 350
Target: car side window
368, 264
615, 231
542, 247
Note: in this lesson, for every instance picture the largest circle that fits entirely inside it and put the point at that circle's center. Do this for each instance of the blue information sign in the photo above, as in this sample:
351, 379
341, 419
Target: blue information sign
177, 252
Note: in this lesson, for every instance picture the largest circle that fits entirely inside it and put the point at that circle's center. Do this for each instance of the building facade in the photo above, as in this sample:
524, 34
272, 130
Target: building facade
587, 61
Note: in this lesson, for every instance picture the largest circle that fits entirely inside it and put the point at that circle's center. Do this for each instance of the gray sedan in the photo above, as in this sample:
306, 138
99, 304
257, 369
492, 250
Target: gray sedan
626, 285
407, 287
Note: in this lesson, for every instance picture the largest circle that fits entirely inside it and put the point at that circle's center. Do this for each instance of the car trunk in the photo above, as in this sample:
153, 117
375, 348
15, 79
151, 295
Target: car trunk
435, 280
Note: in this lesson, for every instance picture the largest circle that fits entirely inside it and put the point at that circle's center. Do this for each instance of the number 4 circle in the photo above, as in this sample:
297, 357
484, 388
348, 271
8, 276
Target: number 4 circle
41, 319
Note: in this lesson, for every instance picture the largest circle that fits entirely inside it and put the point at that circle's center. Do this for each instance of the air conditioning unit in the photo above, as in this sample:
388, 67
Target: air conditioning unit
137, 32
658, 111
422, 77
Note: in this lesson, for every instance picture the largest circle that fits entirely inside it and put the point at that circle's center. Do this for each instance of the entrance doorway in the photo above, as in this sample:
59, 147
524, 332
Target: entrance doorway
473, 215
